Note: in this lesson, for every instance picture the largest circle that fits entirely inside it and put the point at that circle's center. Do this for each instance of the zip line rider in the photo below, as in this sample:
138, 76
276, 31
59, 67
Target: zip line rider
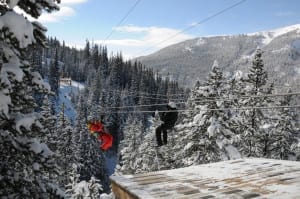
97, 129
169, 119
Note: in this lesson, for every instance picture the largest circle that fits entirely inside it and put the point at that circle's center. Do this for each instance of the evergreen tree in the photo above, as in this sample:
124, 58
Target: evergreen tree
129, 145
212, 128
74, 180
284, 133
54, 74
64, 146
27, 166
48, 121
236, 83
254, 137
87, 51
95, 57
82, 189
148, 159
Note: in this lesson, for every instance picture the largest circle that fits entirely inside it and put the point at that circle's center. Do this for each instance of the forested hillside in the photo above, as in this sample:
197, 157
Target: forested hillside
189, 61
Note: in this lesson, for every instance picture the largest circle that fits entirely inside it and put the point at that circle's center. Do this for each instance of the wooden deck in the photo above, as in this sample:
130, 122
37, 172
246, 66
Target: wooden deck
243, 178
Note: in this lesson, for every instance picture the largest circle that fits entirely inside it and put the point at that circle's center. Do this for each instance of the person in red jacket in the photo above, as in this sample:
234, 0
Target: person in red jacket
97, 129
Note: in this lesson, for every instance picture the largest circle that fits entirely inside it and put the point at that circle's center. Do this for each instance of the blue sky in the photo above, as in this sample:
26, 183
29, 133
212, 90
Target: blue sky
153, 21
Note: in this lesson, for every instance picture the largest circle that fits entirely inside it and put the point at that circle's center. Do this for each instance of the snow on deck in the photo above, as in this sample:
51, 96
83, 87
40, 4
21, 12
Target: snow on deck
242, 178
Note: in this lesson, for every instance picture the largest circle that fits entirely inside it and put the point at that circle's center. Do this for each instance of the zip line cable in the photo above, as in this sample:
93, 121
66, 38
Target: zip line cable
250, 96
197, 99
196, 24
156, 98
183, 96
145, 94
211, 100
147, 105
162, 95
122, 20
132, 93
216, 109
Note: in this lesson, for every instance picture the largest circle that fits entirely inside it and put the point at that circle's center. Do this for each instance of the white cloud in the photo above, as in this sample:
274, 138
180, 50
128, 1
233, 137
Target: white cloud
148, 40
145, 40
71, 2
64, 12
122, 42
131, 29
57, 16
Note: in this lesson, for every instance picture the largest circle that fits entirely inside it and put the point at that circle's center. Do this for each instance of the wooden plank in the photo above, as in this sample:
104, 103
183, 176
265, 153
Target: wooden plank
122, 193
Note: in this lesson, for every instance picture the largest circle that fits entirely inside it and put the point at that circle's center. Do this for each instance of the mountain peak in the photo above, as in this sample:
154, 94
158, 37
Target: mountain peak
271, 34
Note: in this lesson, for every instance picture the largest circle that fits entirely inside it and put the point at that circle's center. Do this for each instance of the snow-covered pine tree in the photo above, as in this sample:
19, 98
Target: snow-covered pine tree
103, 63
284, 132
190, 136
80, 131
210, 133
73, 182
35, 56
81, 189
48, 121
253, 119
95, 56
130, 144
236, 90
265, 137
26, 164
65, 146
54, 74
95, 99
87, 51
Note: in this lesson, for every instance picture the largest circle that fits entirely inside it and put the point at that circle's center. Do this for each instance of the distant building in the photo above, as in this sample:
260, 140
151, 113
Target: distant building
66, 80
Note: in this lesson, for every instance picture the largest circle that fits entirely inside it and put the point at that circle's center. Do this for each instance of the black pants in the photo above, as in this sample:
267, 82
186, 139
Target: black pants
162, 129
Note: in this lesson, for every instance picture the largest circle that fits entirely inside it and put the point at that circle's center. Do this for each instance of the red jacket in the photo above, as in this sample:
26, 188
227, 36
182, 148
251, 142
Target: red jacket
104, 137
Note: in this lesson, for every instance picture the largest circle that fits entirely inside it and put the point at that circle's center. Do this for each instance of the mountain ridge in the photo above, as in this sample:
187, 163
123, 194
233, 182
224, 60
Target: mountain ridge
192, 59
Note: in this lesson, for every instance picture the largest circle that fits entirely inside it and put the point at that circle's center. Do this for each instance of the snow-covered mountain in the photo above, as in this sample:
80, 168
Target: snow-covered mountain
192, 59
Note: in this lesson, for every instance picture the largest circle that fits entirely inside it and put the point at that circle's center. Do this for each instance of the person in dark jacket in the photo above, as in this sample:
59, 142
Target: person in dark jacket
169, 119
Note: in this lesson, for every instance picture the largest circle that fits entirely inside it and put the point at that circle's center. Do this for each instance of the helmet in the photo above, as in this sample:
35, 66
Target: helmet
172, 105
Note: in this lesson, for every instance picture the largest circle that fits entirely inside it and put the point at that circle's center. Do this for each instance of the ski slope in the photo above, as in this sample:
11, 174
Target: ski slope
66, 92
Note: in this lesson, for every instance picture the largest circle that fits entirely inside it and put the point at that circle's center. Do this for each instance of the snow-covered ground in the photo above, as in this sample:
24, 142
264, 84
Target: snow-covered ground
66, 91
